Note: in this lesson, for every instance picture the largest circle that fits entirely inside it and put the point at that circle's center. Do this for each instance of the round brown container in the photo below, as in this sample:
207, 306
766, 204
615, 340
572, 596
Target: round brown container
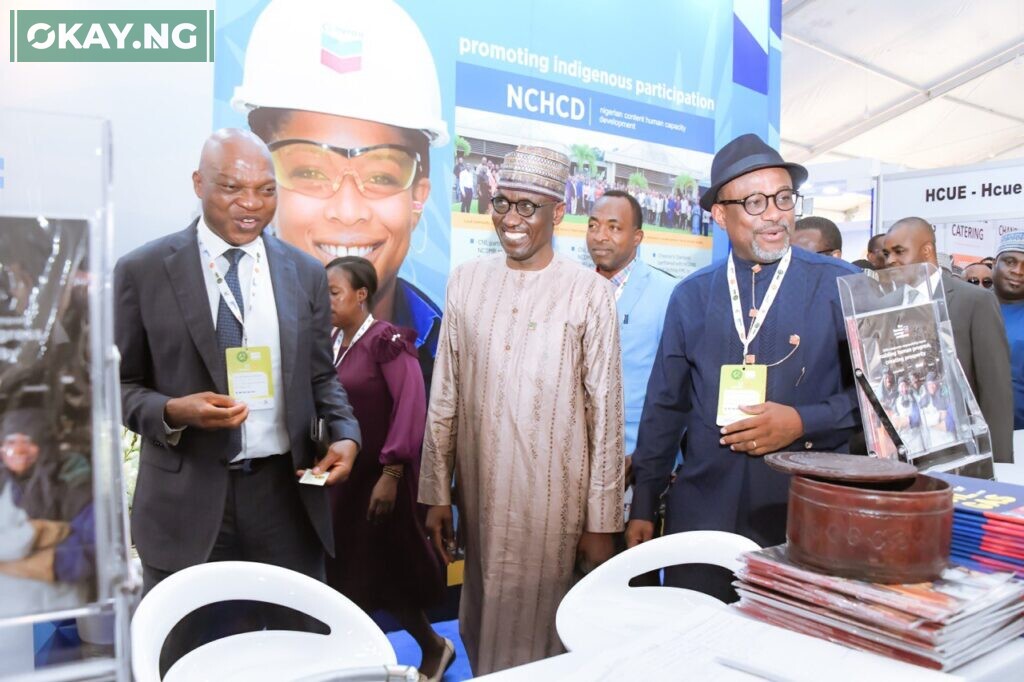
894, 532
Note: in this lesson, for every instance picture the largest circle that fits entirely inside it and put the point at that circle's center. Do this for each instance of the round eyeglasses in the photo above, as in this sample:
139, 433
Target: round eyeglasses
318, 170
982, 282
524, 207
756, 204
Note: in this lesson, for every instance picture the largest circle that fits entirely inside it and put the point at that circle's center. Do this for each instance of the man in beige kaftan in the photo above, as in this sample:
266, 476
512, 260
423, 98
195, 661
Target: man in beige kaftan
526, 410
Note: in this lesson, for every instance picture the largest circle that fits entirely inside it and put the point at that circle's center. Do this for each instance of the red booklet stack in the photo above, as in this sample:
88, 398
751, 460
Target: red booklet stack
941, 624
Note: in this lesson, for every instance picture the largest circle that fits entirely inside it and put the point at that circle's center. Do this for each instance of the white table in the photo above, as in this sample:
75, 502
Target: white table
1002, 665
621, 627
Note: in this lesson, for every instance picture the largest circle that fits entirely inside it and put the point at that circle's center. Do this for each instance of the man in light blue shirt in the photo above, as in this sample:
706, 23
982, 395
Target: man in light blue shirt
614, 234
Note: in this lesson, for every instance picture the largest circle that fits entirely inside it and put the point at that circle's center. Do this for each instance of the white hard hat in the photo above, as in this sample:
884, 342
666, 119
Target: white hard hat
364, 59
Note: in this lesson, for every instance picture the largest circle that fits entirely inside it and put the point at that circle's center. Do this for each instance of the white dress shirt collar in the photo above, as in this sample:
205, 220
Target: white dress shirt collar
927, 288
216, 244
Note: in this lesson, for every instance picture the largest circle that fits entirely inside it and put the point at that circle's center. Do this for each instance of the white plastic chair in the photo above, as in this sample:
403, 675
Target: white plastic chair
354, 641
602, 610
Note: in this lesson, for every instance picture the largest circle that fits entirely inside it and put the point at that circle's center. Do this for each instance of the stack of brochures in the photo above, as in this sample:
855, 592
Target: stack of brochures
939, 625
988, 524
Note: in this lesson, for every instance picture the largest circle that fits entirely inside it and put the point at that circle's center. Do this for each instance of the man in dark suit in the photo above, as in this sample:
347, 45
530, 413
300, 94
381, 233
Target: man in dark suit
978, 331
219, 470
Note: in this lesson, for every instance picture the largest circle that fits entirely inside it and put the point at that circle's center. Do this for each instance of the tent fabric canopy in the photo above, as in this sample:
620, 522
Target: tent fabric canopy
918, 83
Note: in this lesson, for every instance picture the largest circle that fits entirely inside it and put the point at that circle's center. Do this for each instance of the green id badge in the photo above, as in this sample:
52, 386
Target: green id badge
740, 385
250, 376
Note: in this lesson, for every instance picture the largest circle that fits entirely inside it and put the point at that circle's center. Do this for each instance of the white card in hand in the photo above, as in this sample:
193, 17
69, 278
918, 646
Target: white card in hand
309, 478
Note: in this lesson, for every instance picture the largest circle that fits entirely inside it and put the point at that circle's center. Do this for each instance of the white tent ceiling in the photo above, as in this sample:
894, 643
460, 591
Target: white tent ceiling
919, 83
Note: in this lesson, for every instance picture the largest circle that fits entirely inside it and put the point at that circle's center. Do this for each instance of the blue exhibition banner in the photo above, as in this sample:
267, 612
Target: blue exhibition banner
639, 97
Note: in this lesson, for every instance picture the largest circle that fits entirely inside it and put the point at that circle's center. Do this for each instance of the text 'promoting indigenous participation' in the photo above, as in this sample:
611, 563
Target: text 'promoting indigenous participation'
578, 70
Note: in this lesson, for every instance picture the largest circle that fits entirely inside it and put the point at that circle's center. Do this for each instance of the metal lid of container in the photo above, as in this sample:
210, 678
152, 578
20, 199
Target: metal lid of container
831, 466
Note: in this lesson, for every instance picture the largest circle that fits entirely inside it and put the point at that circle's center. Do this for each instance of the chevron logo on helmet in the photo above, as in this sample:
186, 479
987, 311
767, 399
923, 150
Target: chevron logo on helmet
341, 50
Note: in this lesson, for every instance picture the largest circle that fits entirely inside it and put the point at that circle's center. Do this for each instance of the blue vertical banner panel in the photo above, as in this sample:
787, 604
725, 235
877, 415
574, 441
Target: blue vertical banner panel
750, 61
646, 120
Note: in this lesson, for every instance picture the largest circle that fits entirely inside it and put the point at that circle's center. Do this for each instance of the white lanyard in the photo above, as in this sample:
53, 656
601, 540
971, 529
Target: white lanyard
225, 290
341, 337
734, 294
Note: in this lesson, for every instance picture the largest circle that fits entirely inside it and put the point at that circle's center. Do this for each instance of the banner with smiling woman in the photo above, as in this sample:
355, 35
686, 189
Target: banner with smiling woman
417, 103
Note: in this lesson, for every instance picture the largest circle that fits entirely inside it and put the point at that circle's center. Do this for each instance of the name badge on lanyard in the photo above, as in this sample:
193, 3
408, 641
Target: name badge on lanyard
249, 368
740, 386
747, 384
250, 376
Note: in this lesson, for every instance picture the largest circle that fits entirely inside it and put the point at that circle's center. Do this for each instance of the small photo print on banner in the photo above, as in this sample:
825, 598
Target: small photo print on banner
612, 143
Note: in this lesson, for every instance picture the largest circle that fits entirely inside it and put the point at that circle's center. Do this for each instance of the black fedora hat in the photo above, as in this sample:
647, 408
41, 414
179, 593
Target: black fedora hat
746, 154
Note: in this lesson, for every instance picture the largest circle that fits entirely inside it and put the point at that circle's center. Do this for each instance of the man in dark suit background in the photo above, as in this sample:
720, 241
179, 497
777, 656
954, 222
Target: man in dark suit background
876, 245
219, 478
978, 331
818, 235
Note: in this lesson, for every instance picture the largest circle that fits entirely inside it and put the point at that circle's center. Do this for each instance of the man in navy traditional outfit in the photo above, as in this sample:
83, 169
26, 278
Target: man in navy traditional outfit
767, 310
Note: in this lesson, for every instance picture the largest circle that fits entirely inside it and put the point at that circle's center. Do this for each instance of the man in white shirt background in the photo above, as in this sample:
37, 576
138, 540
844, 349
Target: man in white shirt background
466, 178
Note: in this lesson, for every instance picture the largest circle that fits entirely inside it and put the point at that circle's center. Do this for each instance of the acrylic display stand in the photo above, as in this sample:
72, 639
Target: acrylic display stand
916, 404
58, 360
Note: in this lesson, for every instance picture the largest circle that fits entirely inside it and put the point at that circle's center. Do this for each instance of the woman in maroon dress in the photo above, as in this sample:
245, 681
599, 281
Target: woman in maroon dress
383, 558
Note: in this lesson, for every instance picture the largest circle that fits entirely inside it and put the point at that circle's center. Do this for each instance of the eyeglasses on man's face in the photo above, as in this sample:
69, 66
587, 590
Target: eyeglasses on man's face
524, 207
756, 204
982, 282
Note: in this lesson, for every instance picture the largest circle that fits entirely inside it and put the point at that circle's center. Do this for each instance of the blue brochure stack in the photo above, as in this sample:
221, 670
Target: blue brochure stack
988, 524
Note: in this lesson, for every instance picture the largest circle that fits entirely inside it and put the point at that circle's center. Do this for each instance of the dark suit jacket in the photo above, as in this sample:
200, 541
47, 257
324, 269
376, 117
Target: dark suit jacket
165, 333
984, 353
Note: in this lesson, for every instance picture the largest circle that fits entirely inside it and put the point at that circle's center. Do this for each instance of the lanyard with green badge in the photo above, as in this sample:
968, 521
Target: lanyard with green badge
249, 368
747, 384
